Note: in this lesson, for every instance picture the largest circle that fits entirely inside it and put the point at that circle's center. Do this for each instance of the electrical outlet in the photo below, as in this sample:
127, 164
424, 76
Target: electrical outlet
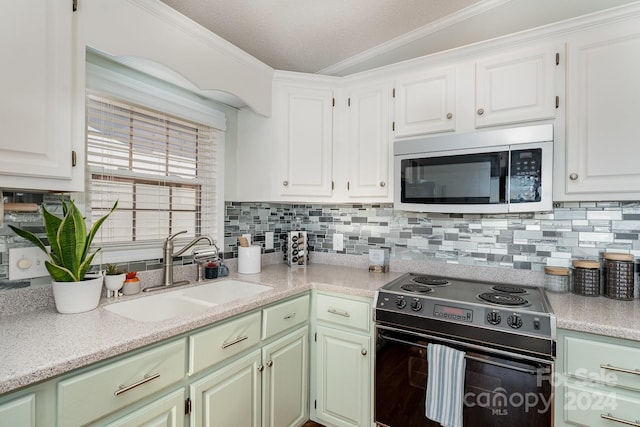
338, 242
248, 236
27, 263
268, 240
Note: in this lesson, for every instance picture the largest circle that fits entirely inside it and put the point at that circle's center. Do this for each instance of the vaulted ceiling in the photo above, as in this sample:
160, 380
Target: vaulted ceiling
341, 37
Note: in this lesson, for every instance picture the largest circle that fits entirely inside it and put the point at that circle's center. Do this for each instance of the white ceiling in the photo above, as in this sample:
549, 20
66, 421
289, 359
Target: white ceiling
341, 37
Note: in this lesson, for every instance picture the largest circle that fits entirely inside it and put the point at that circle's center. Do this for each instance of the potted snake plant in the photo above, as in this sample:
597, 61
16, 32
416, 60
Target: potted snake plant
70, 257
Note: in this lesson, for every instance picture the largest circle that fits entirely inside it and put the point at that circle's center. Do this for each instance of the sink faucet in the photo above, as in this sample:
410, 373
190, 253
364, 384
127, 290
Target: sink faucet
167, 261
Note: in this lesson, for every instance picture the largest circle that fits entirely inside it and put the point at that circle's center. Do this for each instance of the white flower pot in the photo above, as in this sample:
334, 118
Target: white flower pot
77, 297
114, 283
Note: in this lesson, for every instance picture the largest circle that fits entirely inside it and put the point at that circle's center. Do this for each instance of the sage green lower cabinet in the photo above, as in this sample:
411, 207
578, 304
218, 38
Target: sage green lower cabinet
167, 411
19, 412
343, 361
230, 396
285, 385
267, 387
597, 382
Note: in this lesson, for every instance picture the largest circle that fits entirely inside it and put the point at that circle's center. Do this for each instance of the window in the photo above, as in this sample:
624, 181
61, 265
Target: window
161, 169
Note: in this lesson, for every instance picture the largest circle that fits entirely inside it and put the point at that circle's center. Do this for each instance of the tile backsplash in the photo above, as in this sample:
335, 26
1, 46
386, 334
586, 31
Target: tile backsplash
520, 241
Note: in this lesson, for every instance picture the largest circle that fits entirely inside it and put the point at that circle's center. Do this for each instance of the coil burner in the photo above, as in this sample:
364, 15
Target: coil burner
416, 288
501, 298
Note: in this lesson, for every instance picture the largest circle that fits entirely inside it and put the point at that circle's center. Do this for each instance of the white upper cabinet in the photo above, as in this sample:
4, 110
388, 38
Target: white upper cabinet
510, 87
516, 87
36, 106
368, 143
304, 135
603, 102
425, 102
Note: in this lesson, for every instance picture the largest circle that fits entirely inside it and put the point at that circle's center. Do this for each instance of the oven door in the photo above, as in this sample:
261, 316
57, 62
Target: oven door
500, 389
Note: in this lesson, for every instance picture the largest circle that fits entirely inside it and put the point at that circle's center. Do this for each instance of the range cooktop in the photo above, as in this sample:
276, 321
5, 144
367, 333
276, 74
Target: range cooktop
468, 308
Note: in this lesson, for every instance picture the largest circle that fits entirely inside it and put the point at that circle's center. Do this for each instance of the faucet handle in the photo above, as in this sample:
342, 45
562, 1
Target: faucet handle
171, 237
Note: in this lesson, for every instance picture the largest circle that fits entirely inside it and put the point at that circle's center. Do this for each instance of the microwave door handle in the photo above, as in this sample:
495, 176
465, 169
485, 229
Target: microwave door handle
477, 359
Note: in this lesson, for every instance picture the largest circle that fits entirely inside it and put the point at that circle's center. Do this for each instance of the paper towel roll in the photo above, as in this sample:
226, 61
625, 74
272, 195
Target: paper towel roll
249, 259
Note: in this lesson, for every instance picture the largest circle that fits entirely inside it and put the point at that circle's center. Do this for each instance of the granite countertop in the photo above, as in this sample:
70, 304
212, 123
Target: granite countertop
41, 344
597, 315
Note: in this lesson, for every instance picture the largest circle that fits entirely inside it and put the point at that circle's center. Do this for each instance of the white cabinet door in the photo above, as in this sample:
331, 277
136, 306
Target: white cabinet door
168, 411
425, 102
36, 42
516, 87
343, 378
603, 104
229, 396
19, 412
285, 385
369, 154
305, 140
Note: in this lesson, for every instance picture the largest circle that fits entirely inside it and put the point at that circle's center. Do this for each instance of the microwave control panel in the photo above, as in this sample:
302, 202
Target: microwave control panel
525, 176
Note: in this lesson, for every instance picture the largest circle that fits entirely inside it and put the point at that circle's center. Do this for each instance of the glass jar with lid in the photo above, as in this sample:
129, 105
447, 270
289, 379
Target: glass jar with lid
556, 279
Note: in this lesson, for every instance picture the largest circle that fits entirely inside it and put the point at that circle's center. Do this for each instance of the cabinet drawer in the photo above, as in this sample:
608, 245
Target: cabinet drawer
612, 364
89, 396
284, 316
166, 411
345, 312
594, 407
214, 345
19, 412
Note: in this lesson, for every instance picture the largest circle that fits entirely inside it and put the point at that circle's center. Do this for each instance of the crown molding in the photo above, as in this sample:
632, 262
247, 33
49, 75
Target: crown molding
414, 35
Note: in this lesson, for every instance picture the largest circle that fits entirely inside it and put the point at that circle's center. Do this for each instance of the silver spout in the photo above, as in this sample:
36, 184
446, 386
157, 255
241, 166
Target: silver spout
167, 260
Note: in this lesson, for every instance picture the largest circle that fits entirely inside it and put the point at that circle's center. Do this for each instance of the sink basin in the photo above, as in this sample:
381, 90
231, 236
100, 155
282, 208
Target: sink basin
223, 291
157, 307
181, 302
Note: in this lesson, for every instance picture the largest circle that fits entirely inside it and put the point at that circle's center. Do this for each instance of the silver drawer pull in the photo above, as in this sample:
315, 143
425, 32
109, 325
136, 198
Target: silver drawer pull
339, 312
236, 341
125, 388
620, 420
290, 316
615, 368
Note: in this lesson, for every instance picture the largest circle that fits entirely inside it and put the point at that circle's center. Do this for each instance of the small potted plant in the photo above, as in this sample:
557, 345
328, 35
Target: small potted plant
131, 284
70, 257
113, 280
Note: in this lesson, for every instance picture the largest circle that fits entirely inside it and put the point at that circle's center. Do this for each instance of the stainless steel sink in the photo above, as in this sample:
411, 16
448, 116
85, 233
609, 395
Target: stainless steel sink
187, 301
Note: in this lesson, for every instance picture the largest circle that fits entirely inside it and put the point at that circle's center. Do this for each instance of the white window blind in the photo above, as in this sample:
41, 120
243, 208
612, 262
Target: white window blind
160, 168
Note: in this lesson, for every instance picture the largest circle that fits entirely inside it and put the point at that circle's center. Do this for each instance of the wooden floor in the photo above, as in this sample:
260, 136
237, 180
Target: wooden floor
311, 424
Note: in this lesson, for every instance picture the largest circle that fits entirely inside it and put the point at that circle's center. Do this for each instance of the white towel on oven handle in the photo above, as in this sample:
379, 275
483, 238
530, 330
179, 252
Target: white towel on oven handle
445, 385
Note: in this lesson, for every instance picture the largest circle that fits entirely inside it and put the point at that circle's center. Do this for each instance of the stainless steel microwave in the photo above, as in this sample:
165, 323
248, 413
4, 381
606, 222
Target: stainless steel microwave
495, 171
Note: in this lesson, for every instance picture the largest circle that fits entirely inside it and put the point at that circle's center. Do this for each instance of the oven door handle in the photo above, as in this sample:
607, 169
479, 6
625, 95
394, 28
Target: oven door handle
469, 345
477, 359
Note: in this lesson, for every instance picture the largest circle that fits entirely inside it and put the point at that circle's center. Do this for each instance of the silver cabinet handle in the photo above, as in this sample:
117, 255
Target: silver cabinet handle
480, 111
382, 183
573, 176
236, 341
364, 352
290, 316
125, 388
620, 420
615, 368
449, 116
260, 368
339, 312
269, 363
285, 183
